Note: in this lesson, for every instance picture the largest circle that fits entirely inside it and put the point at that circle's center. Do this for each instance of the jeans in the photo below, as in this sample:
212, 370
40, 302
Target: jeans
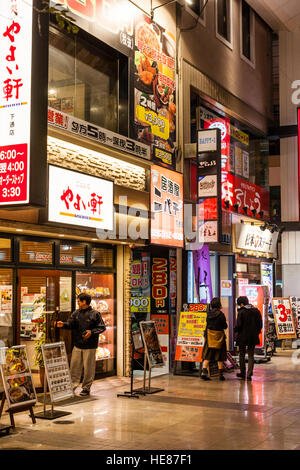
250, 360
83, 359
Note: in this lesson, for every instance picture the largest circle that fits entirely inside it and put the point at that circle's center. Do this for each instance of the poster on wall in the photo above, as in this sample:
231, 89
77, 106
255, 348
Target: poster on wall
57, 371
266, 271
155, 89
201, 265
160, 285
5, 305
166, 195
151, 343
140, 300
226, 288
284, 321
295, 305
17, 378
190, 339
258, 296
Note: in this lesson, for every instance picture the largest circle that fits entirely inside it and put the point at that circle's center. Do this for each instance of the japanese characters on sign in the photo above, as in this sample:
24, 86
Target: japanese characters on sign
284, 321
190, 339
140, 288
166, 207
57, 371
17, 378
162, 325
79, 199
251, 238
15, 99
258, 297
295, 304
98, 134
209, 176
154, 88
160, 285
151, 343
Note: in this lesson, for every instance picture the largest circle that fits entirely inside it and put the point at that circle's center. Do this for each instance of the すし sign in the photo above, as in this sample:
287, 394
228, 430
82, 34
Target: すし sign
79, 199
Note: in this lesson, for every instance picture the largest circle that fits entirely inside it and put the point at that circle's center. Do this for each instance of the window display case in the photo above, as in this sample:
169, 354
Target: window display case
101, 288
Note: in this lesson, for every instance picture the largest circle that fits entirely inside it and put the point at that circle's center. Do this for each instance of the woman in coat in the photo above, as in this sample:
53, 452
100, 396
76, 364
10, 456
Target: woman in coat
215, 339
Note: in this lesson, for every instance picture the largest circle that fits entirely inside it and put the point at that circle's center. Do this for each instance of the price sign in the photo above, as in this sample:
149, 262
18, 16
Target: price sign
283, 317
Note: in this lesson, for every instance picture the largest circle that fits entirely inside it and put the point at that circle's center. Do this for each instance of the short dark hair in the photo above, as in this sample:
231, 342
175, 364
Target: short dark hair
85, 297
216, 303
242, 300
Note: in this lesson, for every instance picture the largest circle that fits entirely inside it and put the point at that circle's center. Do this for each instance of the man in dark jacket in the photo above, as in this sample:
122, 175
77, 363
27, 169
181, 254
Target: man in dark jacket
86, 324
248, 328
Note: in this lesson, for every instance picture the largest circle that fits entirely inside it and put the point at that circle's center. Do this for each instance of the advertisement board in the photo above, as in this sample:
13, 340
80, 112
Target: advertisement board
17, 378
258, 296
151, 343
22, 106
284, 321
209, 182
190, 339
166, 195
57, 371
295, 305
162, 325
79, 199
251, 238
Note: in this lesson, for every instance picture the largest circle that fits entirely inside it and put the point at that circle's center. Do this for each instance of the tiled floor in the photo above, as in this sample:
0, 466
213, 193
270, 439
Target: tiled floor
188, 414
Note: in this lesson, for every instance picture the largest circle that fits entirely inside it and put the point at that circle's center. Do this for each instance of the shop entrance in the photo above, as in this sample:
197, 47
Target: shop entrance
38, 292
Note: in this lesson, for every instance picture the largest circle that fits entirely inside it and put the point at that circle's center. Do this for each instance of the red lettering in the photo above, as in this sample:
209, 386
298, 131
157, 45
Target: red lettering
159, 264
159, 279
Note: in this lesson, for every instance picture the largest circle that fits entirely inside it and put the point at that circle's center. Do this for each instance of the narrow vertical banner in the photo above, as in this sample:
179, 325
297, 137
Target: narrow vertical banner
15, 98
23, 108
298, 124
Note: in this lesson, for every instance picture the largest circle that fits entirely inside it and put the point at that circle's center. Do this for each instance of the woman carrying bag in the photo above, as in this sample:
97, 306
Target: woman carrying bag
215, 339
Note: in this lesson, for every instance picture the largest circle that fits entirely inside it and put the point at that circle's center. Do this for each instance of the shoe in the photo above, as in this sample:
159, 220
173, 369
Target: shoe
221, 377
249, 379
241, 376
84, 393
204, 374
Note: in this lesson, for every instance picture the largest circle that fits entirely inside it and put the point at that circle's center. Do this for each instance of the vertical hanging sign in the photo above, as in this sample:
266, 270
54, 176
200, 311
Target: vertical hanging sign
18, 27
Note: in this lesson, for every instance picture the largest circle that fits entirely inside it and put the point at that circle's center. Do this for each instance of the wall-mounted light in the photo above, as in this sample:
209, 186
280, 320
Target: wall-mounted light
226, 204
263, 227
236, 207
245, 209
261, 214
253, 211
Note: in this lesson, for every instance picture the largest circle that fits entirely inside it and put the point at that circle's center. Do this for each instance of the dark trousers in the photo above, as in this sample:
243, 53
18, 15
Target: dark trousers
250, 360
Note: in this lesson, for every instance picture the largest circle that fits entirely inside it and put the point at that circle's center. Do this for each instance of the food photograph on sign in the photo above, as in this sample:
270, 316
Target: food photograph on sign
166, 207
151, 343
155, 85
79, 199
16, 376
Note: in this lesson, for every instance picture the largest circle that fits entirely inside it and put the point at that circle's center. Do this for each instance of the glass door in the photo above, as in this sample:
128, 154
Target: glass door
40, 293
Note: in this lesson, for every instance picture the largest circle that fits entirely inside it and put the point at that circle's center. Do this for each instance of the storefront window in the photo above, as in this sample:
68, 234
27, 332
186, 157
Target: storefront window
83, 80
101, 289
102, 257
36, 252
5, 249
6, 306
72, 254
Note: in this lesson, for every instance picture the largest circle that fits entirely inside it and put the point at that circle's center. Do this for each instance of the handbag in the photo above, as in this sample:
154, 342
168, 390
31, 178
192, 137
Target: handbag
215, 339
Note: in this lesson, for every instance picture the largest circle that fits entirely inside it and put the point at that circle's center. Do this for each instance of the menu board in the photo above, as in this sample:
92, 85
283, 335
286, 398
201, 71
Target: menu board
16, 377
57, 371
151, 343
284, 322
190, 339
295, 304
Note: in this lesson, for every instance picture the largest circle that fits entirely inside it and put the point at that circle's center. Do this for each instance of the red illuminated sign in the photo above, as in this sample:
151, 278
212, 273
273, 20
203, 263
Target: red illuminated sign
13, 174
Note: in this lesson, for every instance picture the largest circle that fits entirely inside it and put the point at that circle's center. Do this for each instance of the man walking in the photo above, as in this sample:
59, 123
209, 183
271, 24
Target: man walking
86, 324
248, 328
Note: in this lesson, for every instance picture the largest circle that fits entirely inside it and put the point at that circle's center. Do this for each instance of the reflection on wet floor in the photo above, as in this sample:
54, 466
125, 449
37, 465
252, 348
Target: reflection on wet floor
188, 414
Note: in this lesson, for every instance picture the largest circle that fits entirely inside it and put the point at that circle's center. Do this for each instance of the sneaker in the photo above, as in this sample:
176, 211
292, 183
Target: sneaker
241, 376
249, 379
84, 393
221, 377
205, 377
